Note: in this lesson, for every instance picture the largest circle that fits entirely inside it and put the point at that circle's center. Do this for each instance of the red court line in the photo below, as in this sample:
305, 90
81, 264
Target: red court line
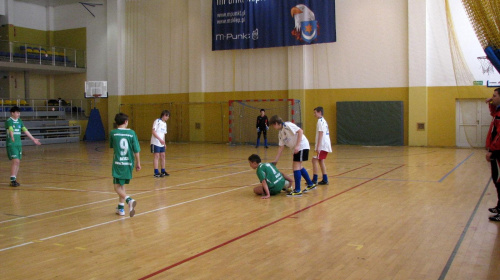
262, 227
353, 170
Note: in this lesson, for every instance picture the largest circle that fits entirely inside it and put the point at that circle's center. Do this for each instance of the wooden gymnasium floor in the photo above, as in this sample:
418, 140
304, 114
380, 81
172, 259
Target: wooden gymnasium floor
388, 213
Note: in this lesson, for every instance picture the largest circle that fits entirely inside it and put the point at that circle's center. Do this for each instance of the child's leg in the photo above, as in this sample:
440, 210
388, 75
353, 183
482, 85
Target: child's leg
259, 190
323, 170
156, 158
14, 168
306, 177
122, 194
297, 165
265, 138
162, 159
315, 169
124, 198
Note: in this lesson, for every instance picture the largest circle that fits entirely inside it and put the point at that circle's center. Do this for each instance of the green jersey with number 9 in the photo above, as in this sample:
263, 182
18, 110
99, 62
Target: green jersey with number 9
125, 144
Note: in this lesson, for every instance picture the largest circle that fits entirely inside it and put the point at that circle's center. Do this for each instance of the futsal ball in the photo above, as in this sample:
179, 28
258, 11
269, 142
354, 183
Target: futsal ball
287, 186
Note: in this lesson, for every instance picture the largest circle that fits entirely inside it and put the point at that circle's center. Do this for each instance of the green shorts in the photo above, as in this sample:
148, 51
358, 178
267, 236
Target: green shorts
15, 152
276, 189
121, 182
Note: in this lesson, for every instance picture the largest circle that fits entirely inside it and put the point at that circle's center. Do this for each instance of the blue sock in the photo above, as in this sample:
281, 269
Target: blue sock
315, 178
304, 173
297, 177
156, 171
265, 142
325, 178
163, 170
258, 142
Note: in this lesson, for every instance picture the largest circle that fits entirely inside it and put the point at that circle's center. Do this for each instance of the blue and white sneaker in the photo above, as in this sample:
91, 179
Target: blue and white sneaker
131, 207
120, 212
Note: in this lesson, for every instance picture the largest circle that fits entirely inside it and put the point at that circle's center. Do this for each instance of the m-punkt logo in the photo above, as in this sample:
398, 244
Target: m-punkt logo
230, 36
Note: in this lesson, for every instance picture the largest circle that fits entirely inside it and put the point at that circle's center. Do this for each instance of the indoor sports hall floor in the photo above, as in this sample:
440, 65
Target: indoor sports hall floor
388, 213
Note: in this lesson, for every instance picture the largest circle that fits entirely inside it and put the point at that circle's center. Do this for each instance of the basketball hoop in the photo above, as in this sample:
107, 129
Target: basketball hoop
486, 65
97, 95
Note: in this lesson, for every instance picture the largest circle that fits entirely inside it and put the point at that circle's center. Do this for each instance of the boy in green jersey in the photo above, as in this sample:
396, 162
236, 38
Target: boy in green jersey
273, 181
126, 148
14, 126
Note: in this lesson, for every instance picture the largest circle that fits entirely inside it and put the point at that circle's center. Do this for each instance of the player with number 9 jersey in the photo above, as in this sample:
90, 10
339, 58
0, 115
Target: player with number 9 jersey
125, 144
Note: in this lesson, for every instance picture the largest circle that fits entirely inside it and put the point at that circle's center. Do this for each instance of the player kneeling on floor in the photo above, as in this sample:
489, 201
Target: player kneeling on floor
272, 180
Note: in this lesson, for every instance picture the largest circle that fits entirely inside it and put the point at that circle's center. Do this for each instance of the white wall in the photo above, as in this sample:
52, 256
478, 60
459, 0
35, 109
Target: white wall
171, 51
28, 15
3, 7
71, 16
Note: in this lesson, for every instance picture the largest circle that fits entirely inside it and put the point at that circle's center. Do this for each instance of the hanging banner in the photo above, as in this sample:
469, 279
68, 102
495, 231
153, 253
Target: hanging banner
251, 24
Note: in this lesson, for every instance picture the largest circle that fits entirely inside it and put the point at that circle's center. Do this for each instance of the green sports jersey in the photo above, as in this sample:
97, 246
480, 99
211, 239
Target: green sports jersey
125, 144
275, 181
17, 125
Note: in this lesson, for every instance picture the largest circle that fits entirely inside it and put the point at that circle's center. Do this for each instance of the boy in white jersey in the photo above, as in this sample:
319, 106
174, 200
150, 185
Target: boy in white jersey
126, 150
158, 143
292, 136
322, 147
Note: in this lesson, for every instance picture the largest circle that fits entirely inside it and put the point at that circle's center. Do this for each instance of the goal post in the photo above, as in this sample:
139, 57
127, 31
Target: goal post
243, 118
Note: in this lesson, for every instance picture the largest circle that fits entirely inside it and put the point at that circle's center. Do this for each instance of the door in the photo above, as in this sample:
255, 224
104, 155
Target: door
473, 121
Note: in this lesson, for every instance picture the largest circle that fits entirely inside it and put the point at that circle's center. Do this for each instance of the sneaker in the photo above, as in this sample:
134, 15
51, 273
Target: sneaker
311, 187
314, 183
323, 182
294, 193
131, 207
158, 175
120, 212
495, 218
14, 184
164, 174
494, 210
267, 147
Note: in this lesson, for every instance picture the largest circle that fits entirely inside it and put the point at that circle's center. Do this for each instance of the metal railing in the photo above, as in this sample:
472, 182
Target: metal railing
41, 54
74, 109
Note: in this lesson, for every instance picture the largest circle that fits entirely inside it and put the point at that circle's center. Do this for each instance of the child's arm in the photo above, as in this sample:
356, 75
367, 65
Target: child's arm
158, 137
280, 150
11, 133
320, 137
299, 139
137, 161
266, 190
288, 178
36, 141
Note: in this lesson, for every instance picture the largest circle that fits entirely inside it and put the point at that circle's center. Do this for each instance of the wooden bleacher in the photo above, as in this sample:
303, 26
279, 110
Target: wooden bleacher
49, 126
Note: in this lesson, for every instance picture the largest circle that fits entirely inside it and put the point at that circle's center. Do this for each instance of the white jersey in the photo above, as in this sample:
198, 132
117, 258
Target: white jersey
160, 127
288, 137
325, 144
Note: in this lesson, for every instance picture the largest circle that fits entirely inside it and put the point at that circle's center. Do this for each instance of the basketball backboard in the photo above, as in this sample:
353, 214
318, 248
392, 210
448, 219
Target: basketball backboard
96, 89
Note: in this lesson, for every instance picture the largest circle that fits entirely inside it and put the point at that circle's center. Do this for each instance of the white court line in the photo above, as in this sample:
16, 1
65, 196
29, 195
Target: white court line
109, 199
75, 190
113, 221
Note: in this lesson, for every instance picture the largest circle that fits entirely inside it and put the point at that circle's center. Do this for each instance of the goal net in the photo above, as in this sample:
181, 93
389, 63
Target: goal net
243, 118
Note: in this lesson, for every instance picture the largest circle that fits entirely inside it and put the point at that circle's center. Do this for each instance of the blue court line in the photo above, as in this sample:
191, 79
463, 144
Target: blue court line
461, 239
447, 174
